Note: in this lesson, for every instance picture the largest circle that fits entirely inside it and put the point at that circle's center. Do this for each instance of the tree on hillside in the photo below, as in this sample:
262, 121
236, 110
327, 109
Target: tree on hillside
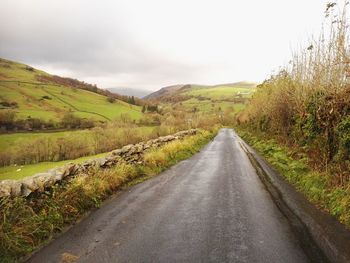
131, 100
152, 108
110, 99
7, 119
70, 121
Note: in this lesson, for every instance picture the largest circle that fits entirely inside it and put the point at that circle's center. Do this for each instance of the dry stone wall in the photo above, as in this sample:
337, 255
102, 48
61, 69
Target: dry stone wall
132, 153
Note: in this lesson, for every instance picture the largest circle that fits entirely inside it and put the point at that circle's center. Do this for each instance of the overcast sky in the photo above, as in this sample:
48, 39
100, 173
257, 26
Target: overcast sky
155, 43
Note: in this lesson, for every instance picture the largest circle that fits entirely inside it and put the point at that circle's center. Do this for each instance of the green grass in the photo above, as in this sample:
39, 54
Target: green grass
21, 171
209, 106
15, 143
220, 92
316, 186
8, 141
212, 99
239, 106
29, 97
158, 160
14, 71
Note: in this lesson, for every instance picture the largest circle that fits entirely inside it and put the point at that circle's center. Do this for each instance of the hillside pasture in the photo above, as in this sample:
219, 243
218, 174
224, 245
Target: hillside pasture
48, 101
220, 92
51, 102
208, 106
212, 99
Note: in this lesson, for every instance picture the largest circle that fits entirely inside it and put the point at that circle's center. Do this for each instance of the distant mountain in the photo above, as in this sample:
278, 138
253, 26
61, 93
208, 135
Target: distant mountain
166, 91
140, 93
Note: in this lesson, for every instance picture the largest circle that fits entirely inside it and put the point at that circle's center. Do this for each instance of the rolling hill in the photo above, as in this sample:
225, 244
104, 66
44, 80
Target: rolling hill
204, 97
164, 92
33, 93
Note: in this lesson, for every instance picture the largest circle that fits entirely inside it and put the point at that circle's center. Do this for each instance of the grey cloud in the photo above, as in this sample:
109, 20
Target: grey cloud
88, 39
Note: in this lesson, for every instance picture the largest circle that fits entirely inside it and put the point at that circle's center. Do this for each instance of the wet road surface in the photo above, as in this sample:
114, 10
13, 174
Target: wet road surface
209, 208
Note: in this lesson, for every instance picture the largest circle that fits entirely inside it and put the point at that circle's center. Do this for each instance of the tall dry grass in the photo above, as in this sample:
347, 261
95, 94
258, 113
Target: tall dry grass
108, 137
308, 102
75, 145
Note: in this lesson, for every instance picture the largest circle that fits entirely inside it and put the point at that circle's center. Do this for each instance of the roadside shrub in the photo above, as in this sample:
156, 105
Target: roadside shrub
160, 159
307, 103
343, 131
155, 159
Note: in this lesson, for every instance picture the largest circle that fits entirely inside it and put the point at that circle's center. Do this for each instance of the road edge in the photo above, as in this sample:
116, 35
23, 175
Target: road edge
124, 188
322, 237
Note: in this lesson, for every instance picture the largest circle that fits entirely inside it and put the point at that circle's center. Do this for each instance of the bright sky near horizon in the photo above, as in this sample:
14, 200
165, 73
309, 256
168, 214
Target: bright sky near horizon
155, 43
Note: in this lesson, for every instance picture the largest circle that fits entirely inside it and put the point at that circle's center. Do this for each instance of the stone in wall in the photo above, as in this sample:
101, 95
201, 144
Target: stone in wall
132, 153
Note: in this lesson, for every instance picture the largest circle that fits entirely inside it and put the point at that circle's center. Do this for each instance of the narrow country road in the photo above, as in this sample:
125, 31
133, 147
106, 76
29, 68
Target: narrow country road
209, 208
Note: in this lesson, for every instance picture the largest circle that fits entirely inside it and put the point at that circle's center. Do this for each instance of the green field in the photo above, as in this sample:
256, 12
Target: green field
21, 171
8, 141
219, 92
51, 101
209, 99
17, 140
208, 105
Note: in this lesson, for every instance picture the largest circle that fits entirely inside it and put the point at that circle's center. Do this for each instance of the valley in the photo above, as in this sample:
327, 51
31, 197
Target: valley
169, 157
48, 121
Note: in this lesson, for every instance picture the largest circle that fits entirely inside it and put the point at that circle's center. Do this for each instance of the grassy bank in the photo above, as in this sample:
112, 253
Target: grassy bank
317, 186
305, 108
306, 104
27, 223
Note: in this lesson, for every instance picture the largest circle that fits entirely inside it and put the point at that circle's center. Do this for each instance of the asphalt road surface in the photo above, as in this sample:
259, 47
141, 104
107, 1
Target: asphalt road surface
209, 208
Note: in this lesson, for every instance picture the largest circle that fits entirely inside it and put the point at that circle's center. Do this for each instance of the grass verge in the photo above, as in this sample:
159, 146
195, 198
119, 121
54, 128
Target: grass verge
315, 185
27, 223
